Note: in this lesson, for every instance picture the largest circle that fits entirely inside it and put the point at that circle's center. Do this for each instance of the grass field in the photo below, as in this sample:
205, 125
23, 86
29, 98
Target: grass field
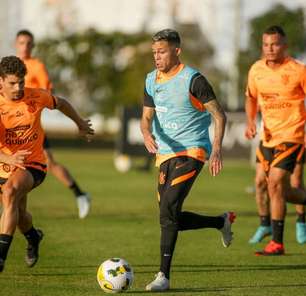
124, 223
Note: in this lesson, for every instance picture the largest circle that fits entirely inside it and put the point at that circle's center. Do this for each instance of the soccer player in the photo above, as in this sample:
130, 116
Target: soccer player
37, 77
277, 85
23, 163
263, 205
178, 105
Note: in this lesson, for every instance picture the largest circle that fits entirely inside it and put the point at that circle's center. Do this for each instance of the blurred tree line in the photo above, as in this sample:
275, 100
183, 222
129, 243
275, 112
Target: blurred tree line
292, 22
100, 71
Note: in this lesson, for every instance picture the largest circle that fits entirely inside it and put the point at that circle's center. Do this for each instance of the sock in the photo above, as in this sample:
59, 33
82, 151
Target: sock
32, 235
188, 220
265, 220
167, 245
300, 218
76, 189
5, 242
278, 231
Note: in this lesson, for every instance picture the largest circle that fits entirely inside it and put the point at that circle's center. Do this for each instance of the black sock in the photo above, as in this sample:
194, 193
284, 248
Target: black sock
278, 230
265, 220
167, 245
188, 220
300, 218
32, 235
5, 242
76, 189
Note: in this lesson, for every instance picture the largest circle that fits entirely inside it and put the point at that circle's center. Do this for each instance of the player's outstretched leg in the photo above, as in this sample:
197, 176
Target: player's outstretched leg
34, 237
226, 230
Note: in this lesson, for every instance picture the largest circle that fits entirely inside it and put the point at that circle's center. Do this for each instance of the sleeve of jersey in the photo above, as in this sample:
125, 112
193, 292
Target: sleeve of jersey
201, 89
251, 90
148, 100
48, 100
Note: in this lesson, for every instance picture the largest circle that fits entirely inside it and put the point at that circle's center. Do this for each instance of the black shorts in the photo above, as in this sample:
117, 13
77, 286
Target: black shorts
285, 156
176, 177
38, 177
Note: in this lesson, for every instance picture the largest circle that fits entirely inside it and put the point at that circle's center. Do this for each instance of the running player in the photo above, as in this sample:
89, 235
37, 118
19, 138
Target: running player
23, 164
37, 77
277, 84
178, 105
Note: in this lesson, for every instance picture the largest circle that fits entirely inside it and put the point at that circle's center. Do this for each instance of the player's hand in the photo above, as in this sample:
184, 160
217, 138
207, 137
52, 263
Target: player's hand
215, 163
250, 131
85, 129
18, 159
150, 143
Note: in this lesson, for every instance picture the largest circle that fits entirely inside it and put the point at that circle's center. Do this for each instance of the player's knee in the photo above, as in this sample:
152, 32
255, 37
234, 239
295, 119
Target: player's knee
274, 185
260, 183
9, 195
168, 220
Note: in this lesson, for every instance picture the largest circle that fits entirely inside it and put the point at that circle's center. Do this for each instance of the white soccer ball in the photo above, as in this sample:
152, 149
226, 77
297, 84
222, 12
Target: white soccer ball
115, 275
122, 163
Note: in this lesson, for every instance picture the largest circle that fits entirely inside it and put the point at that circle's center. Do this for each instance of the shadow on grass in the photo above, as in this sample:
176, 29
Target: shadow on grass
188, 291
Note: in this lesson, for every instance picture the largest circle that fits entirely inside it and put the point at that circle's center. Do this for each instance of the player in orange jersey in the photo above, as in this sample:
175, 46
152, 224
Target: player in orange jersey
263, 204
277, 85
37, 77
22, 159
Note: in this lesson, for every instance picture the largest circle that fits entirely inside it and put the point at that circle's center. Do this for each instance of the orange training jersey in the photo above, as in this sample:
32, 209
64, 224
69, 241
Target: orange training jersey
20, 127
280, 94
37, 75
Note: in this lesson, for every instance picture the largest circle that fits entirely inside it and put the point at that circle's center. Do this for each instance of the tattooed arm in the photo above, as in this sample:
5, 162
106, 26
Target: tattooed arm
216, 111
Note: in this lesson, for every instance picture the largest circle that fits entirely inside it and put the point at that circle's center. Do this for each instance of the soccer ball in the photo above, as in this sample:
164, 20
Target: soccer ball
115, 275
122, 163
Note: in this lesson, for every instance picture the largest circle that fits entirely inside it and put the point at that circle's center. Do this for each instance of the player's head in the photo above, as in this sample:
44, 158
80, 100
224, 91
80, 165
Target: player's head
166, 47
24, 44
274, 44
12, 73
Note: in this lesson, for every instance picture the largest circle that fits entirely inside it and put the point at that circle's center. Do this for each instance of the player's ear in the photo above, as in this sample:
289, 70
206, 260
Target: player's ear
178, 51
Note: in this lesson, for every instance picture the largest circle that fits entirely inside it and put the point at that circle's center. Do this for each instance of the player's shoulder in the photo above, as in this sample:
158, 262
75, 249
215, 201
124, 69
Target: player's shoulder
35, 62
257, 66
35, 93
296, 64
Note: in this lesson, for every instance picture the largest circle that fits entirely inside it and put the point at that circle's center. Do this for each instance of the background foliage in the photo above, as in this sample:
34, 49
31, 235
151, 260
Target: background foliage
101, 71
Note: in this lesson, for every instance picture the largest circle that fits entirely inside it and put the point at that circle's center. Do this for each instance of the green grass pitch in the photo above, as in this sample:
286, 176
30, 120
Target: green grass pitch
124, 223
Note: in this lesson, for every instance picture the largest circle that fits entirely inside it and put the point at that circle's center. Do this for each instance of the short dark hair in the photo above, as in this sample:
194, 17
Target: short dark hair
25, 32
275, 30
168, 35
12, 65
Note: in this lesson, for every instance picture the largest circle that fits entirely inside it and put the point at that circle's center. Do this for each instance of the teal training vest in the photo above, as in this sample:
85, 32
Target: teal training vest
177, 125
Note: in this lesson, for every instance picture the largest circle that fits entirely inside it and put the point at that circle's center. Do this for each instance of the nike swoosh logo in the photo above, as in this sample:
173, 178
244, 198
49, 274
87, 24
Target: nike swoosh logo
180, 165
3, 242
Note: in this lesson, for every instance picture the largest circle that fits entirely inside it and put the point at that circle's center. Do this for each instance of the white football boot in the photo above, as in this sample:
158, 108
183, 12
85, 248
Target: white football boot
83, 203
226, 230
161, 283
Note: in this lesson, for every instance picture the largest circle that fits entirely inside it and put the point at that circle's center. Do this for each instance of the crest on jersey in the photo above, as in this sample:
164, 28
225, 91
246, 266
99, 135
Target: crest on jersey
32, 106
285, 79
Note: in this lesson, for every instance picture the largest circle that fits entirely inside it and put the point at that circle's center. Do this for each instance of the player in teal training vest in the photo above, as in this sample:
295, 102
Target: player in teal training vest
178, 106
